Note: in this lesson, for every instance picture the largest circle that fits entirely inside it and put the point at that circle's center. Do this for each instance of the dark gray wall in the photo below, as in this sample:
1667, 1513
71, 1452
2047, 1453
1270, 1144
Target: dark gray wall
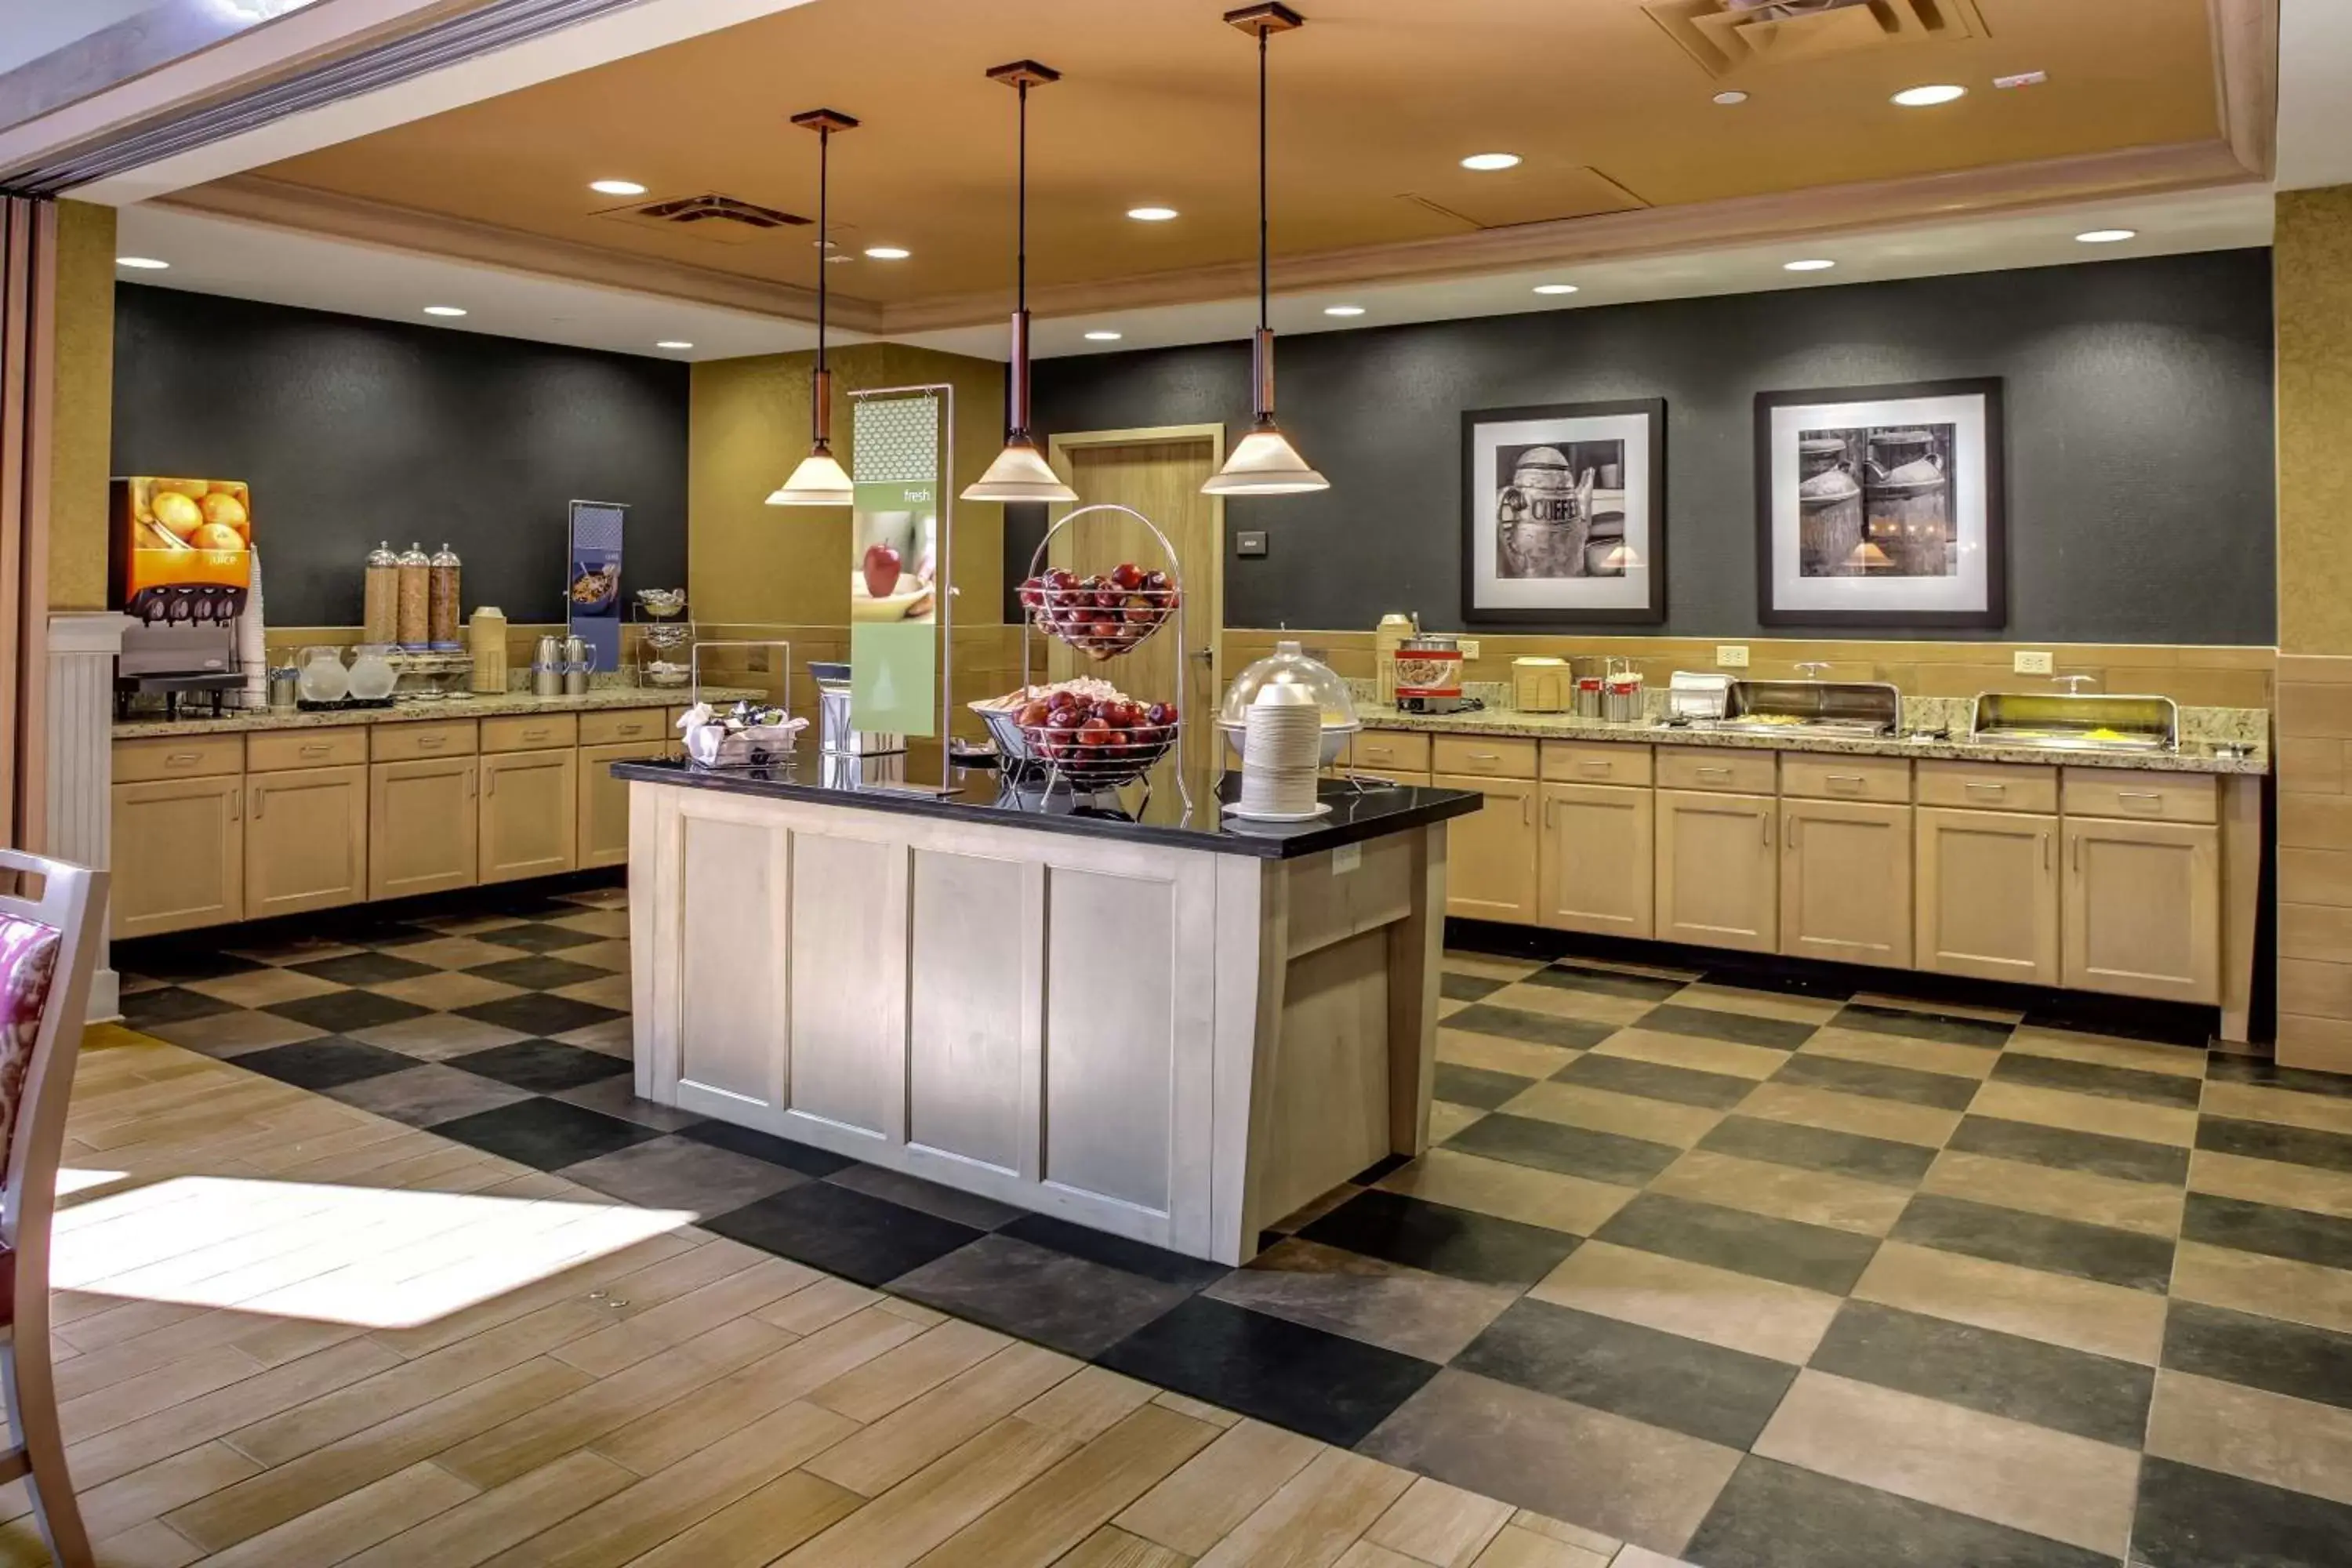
353, 430
2141, 494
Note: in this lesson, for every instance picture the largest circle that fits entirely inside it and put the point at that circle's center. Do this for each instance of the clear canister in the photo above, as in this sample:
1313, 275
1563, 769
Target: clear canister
441, 600
380, 617
415, 599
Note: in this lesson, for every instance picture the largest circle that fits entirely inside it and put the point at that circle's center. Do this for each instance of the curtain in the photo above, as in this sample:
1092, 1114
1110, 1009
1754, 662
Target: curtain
28, 254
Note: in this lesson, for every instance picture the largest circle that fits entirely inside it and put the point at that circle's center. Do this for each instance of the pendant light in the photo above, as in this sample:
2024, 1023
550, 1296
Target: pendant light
1019, 472
1265, 463
819, 481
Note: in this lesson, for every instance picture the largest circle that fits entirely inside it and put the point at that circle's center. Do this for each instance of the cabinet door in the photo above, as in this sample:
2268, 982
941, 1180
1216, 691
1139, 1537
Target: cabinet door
1490, 857
422, 826
2143, 909
306, 840
1988, 895
1597, 858
1718, 878
179, 853
1845, 882
531, 814
604, 801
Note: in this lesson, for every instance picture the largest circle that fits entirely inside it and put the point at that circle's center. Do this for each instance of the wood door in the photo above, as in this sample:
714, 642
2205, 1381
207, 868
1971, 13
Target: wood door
1598, 868
1490, 855
422, 826
604, 801
2143, 909
1988, 895
1718, 881
1845, 882
306, 840
179, 853
529, 814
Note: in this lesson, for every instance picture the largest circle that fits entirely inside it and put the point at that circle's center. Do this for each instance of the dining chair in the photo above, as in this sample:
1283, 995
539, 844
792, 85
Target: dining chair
49, 941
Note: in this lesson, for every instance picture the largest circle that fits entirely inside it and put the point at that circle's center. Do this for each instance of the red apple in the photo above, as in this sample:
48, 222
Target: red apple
881, 570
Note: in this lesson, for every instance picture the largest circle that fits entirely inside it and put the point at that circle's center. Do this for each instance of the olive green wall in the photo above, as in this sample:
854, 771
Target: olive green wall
2314, 289
83, 425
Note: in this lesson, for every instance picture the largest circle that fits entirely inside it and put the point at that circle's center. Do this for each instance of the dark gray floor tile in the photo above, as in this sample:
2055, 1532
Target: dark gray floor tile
2225, 1067
324, 1064
805, 1158
1379, 1171
1942, 1091
2260, 1353
1453, 1242
1606, 982
1774, 978
2059, 1149
1773, 1515
1784, 1250
1458, 1085
1537, 1029
1656, 1080
1456, 987
1327, 1385
1882, 1160
539, 1013
538, 972
618, 1097
1067, 1303
543, 1067
546, 1134
1573, 1151
427, 1094
2164, 1022
2269, 1141
2192, 1517
868, 1239
1684, 1385
2037, 1241
673, 1173
1409, 1311
176, 959
964, 1209
169, 1005
1115, 1251
341, 1012
1740, 1028
2265, 1228
2093, 1077
363, 968
1950, 1028
2092, 1396
539, 937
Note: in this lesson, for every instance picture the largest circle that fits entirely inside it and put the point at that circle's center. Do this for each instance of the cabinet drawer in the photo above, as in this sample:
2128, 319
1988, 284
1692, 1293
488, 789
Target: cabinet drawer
177, 757
338, 748
1886, 779
1708, 768
530, 731
1989, 786
1603, 763
1391, 752
1484, 756
613, 726
2153, 797
410, 742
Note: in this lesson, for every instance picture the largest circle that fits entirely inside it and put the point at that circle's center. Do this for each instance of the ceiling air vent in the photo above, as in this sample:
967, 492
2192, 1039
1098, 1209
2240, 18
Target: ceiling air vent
727, 219
1731, 37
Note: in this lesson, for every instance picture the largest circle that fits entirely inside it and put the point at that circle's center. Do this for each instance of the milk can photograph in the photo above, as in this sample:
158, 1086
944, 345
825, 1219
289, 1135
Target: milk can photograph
1563, 512
1875, 502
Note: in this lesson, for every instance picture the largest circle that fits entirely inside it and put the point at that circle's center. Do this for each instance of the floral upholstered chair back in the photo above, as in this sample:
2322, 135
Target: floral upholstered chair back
28, 966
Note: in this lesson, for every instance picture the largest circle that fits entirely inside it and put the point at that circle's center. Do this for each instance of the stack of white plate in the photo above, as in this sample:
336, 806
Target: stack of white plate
1281, 748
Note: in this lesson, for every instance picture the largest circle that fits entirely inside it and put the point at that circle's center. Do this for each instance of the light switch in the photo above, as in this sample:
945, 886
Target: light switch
1249, 542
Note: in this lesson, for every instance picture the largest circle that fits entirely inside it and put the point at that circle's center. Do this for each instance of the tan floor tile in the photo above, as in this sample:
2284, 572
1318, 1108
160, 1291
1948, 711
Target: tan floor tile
1737, 1311
1486, 966
1784, 1192
1053, 1513
261, 988
2271, 1182
1757, 1004
455, 953
1900, 1051
2083, 1314
1219, 1487
1517, 1548
1949, 1009
613, 955
1496, 1054
1435, 1524
1447, 1007
438, 1035
2269, 1287
2030, 1477
1693, 1052
2108, 1050
447, 991
1922, 1124
302, 950
1446, 1119
1111, 1547
2149, 1207
469, 925
1565, 1001
1364, 1554
1547, 1198
1635, 1116
2253, 1102
235, 1032
612, 991
2272, 1438
614, 1036
596, 922
1314, 1515
2086, 1113
1568, 1534
1198, 1410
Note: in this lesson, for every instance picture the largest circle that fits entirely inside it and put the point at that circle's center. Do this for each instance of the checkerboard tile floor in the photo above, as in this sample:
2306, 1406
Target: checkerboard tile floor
1742, 1268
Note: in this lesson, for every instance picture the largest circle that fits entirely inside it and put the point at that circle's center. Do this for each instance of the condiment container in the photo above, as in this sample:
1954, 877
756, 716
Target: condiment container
1620, 695
487, 636
441, 600
380, 617
1540, 685
1587, 696
1392, 631
415, 599
1428, 666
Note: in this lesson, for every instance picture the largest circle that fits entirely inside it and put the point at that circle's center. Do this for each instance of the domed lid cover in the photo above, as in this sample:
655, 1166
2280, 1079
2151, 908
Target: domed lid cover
414, 556
1288, 664
382, 555
444, 556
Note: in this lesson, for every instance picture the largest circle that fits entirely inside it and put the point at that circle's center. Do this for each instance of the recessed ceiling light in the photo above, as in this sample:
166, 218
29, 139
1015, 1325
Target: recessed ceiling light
1730, 97
1814, 264
1343, 310
617, 187
1151, 214
445, 311
1101, 337
887, 252
1929, 96
673, 343
141, 263
1486, 163
1555, 287
2107, 236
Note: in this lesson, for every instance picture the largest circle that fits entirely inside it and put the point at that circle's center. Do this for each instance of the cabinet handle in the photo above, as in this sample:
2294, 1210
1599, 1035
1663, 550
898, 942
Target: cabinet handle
237, 805
628, 729
1591, 767
1718, 773
534, 734
178, 758
1527, 811
1991, 788
1766, 818
1852, 780
1377, 752
431, 742
2075, 853
490, 781
315, 749
2123, 794
1548, 805
1792, 832
470, 784
1484, 757
261, 798
2045, 851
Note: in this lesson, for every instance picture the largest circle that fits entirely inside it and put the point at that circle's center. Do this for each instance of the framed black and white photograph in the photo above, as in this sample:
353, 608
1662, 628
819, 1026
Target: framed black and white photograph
1882, 505
1564, 513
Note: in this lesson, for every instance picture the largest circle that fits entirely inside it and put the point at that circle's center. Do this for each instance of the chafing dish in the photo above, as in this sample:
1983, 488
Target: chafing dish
2072, 722
1850, 708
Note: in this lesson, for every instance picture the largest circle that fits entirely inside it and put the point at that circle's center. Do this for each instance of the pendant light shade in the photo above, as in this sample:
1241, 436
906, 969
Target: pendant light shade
1019, 472
1265, 463
819, 481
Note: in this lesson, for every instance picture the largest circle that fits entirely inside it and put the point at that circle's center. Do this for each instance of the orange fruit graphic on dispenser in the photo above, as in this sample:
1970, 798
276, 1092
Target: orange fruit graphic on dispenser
179, 550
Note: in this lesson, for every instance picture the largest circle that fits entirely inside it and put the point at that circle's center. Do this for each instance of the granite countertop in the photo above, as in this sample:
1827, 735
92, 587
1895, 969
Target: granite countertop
513, 702
2201, 730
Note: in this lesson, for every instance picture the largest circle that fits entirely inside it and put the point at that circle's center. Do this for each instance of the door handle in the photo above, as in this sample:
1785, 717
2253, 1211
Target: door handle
180, 759
1548, 814
534, 734
431, 742
1527, 811
237, 805
1595, 767
470, 784
490, 781
1792, 832
2045, 851
1988, 788
1715, 773
2075, 853
1766, 818
315, 749
1845, 781
259, 795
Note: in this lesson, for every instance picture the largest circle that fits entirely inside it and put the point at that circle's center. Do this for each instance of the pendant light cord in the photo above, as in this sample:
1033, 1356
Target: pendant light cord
1262, 242
824, 247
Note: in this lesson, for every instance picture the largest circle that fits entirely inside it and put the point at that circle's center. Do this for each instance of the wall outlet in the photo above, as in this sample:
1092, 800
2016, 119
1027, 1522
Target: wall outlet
2030, 662
1469, 647
1731, 655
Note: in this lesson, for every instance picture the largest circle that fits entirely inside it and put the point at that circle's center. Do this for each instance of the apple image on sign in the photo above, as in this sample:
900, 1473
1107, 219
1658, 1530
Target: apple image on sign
881, 568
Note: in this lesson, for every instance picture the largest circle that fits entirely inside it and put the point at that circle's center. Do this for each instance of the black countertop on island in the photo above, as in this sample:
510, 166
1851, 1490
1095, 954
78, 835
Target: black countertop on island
980, 795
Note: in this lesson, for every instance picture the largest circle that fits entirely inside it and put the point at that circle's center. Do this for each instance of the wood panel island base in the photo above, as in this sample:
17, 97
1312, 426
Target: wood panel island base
1172, 1030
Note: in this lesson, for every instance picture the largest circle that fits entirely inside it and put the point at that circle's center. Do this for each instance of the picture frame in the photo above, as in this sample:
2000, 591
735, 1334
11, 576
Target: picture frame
1883, 506
1564, 514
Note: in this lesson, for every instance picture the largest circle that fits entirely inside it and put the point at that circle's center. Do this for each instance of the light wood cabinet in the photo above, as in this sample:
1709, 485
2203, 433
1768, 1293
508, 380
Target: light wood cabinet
604, 801
306, 839
179, 853
1717, 870
529, 814
1597, 858
1845, 882
2142, 909
1490, 857
1988, 894
422, 826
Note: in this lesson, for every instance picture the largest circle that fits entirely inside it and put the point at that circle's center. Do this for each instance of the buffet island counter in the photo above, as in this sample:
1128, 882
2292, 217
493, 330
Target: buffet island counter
1170, 1025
